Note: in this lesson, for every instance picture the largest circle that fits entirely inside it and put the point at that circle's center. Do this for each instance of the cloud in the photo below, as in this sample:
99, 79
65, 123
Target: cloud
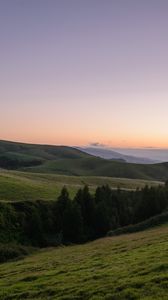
97, 144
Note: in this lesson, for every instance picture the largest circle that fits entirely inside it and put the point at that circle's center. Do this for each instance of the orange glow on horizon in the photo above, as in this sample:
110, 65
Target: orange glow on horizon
144, 142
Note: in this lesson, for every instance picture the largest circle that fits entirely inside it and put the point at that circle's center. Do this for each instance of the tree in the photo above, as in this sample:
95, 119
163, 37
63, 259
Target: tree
72, 223
87, 206
63, 200
101, 220
60, 207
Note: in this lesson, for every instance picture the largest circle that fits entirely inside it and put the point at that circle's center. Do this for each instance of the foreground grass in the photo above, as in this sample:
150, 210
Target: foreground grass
32, 186
131, 266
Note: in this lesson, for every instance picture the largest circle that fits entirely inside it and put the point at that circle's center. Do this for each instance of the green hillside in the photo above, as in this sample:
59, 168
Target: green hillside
125, 267
43, 152
16, 185
70, 161
94, 166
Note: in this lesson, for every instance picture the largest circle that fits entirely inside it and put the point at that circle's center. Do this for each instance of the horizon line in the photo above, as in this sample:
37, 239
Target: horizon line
86, 145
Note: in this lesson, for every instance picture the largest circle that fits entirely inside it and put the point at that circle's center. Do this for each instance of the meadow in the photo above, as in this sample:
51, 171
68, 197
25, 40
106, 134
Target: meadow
131, 266
16, 185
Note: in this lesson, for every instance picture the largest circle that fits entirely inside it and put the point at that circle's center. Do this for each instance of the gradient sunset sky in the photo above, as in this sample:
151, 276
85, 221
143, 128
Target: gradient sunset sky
75, 72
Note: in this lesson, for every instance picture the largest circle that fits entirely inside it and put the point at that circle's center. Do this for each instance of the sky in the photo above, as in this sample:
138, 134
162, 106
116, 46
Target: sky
77, 72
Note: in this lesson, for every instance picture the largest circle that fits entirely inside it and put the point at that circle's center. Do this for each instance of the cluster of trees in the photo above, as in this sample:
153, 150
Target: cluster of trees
92, 216
149, 202
86, 217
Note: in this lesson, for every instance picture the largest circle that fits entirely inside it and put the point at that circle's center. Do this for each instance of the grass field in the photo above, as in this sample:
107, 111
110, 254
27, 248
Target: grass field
15, 185
133, 266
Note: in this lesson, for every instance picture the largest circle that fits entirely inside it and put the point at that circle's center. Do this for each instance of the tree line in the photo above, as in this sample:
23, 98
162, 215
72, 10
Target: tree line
85, 217
91, 216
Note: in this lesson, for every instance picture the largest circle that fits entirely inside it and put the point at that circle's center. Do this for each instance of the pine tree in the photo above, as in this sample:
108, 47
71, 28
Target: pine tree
60, 206
72, 223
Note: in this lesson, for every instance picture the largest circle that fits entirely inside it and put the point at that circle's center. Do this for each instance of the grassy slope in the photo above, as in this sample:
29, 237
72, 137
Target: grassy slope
93, 166
132, 266
44, 152
16, 185
70, 161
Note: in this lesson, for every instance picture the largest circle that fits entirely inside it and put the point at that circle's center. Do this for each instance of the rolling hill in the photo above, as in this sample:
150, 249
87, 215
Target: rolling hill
70, 161
40, 152
18, 186
132, 266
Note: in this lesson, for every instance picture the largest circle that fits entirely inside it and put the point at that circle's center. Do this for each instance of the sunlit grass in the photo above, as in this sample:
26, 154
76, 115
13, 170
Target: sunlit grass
131, 266
31, 186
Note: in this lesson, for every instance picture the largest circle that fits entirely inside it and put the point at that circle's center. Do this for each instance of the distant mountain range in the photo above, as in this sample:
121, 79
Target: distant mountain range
157, 154
108, 153
71, 161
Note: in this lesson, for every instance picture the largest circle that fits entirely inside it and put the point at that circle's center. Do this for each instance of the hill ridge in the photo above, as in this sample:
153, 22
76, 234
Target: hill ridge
67, 160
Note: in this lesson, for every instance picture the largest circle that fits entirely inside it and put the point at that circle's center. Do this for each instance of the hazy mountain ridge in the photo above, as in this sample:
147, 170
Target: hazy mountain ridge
108, 153
158, 154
